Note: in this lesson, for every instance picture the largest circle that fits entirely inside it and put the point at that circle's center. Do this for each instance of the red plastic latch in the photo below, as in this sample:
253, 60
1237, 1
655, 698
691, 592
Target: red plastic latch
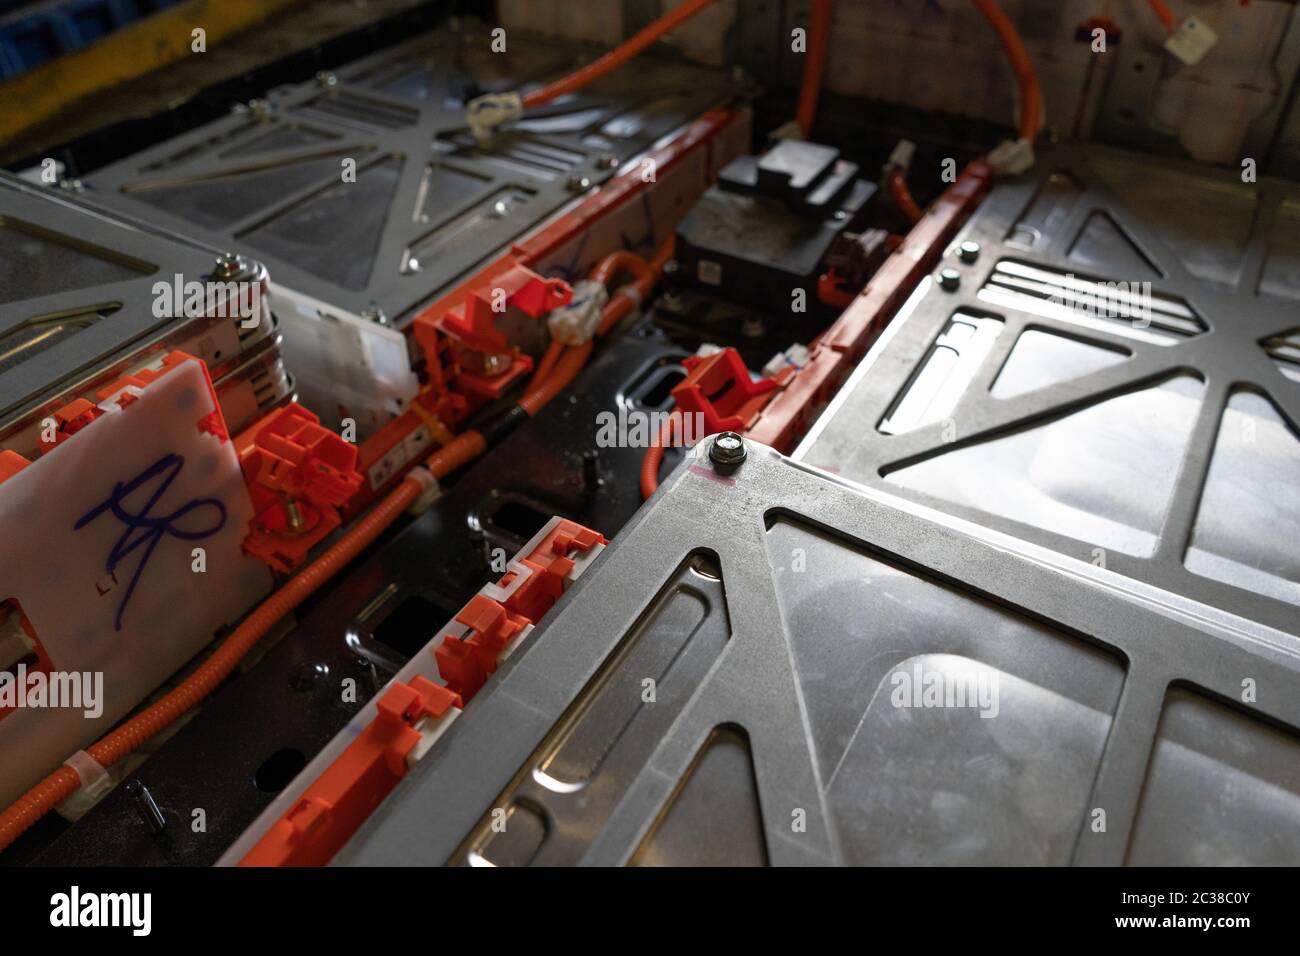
299, 474
719, 388
342, 797
473, 323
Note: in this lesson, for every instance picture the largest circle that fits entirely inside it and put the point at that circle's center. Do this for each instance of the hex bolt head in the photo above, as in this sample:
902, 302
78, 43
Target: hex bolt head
950, 280
968, 251
727, 452
579, 183
229, 265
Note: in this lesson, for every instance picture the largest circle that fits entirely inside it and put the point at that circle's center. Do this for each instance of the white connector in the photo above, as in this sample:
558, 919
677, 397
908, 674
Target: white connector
901, 157
576, 323
796, 355
485, 113
430, 489
1012, 157
1191, 41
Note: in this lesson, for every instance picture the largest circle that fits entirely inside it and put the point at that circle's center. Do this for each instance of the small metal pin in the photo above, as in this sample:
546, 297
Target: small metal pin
147, 807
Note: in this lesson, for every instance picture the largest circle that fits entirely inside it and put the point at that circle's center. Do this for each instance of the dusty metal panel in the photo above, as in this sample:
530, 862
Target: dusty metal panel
1114, 378
790, 624
79, 303
428, 203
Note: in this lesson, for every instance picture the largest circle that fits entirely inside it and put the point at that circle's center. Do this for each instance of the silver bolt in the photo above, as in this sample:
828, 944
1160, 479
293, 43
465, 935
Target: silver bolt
579, 184
968, 251
949, 280
608, 160
727, 452
229, 265
325, 78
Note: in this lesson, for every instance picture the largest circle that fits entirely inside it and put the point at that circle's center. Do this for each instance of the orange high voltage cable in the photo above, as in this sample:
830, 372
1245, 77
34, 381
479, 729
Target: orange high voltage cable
1031, 98
814, 65
616, 57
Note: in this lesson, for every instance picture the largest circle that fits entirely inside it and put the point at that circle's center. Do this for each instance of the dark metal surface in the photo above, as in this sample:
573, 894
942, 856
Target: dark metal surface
722, 686
428, 202
78, 303
236, 752
1161, 445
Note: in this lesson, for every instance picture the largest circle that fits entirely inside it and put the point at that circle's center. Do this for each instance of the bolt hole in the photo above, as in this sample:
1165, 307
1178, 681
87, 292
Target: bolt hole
279, 769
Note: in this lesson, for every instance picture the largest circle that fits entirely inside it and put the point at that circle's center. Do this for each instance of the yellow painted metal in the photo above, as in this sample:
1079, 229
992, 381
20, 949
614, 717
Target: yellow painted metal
142, 47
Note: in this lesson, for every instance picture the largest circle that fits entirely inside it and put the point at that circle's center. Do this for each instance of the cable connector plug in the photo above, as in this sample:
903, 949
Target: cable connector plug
901, 157
576, 323
485, 113
1012, 157
1191, 41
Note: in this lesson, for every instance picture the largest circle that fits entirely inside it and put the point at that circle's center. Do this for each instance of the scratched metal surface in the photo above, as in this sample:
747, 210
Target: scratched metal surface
1164, 445
789, 621
428, 204
285, 703
77, 304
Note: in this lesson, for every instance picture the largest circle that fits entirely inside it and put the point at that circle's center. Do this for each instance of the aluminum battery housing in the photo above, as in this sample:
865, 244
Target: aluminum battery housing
87, 296
366, 195
780, 667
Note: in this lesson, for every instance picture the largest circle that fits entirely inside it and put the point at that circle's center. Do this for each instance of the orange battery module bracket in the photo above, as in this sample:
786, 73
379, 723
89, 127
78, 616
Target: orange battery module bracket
337, 792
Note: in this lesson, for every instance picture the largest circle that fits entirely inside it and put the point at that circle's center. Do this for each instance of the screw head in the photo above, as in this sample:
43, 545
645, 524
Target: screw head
950, 280
229, 265
579, 184
968, 251
727, 452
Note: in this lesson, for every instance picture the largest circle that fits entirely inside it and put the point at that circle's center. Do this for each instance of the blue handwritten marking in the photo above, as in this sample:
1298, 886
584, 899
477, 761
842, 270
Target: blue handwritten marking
142, 529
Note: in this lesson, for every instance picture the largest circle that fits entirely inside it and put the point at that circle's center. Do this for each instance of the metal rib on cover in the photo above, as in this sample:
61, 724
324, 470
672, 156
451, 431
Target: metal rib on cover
1115, 378
743, 678
428, 203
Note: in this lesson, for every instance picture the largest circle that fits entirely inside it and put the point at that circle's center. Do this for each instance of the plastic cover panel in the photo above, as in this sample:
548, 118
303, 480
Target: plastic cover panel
1138, 408
781, 667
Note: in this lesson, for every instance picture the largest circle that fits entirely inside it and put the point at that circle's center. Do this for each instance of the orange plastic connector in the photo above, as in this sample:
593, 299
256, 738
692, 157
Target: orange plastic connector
719, 388
474, 323
80, 412
353, 785
299, 475
11, 463
337, 802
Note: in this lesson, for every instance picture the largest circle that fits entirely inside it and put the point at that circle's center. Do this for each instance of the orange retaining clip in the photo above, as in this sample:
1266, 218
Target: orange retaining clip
719, 388
299, 474
347, 793
397, 729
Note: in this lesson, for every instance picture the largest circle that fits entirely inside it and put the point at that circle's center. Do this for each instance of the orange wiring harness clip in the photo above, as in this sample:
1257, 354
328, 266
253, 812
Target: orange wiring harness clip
404, 721
299, 474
